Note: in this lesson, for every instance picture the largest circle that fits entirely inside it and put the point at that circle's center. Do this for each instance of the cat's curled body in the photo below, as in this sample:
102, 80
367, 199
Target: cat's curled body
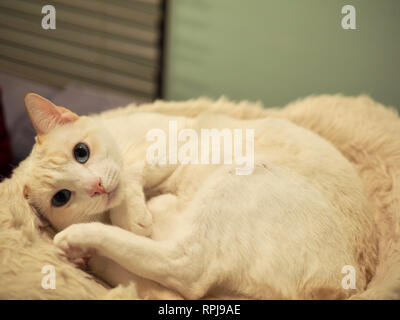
284, 231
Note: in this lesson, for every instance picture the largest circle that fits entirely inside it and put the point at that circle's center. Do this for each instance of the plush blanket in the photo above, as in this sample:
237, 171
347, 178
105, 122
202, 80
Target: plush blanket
367, 133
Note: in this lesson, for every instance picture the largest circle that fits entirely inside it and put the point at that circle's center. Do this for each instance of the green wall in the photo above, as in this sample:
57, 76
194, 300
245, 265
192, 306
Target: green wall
279, 50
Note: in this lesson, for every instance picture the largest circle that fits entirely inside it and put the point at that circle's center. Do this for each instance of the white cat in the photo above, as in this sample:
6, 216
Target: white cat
285, 231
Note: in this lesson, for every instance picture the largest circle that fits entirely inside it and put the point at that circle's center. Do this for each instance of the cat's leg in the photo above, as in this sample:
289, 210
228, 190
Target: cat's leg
166, 209
115, 275
161, 207
132, 214
170, 263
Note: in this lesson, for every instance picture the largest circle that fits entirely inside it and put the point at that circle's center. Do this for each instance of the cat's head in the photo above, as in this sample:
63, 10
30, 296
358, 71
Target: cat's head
74, 170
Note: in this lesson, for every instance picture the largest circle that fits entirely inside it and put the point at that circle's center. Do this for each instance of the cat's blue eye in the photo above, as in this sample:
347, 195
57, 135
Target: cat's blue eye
81, 152
61, 198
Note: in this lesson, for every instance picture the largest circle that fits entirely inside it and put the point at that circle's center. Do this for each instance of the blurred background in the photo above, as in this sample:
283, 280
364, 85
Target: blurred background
108, 53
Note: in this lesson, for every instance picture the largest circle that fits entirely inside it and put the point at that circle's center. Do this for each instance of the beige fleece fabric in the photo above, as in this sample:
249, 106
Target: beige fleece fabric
366, 132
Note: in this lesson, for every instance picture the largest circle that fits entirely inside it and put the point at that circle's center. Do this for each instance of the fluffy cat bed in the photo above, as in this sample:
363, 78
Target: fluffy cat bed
367, 133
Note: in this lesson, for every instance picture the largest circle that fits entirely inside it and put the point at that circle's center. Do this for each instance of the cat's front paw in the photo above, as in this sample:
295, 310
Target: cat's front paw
133, 217
78, 240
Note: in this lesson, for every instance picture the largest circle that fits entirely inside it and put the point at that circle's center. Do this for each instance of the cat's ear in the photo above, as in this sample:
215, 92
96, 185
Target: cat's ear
45, 115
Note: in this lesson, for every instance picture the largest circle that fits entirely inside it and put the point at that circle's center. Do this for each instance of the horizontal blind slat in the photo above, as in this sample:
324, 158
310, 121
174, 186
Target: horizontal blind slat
56, 79
81, 54
113, 10
83, 39
110, 44
84, 21
79, 70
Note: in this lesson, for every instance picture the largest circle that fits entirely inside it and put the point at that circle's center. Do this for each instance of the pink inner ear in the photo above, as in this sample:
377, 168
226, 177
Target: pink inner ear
45, 115
66, 115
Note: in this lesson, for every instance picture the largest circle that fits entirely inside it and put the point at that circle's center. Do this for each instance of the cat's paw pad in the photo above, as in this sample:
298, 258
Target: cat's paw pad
75, 242
79, 255
81, 263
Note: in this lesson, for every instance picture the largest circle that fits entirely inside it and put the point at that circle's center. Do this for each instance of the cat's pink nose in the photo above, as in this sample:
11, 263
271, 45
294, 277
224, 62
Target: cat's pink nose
97, 188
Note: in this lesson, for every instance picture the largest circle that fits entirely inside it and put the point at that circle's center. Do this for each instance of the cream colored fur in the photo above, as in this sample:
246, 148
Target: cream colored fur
337, 127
